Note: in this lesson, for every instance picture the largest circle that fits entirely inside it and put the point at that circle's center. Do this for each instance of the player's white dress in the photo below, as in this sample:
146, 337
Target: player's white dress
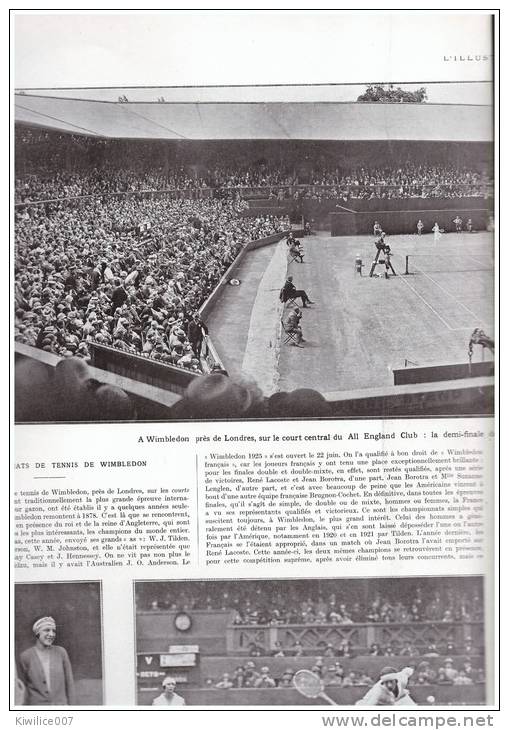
436, 232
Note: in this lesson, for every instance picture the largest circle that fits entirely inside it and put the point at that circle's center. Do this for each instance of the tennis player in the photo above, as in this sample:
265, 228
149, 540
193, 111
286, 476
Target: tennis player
391, 689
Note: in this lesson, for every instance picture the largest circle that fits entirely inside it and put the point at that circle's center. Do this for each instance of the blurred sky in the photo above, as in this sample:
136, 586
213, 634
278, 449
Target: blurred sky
76, 49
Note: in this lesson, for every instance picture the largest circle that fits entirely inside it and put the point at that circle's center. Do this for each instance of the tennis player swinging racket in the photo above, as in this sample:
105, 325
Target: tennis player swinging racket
310, 685
391, 688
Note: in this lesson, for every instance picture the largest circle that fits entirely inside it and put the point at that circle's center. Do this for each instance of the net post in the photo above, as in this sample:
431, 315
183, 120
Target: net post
406, 265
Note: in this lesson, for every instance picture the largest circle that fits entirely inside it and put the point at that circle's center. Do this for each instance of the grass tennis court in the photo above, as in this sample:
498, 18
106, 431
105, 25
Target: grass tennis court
361, 328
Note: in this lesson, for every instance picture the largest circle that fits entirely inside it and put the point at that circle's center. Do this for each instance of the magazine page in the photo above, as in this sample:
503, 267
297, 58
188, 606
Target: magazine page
255, 336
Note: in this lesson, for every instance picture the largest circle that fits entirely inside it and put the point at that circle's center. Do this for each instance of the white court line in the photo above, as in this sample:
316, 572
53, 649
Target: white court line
401, 277
473, 314
482, 263
452, 296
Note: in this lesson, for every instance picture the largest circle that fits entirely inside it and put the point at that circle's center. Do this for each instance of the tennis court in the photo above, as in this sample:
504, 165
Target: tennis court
361, 328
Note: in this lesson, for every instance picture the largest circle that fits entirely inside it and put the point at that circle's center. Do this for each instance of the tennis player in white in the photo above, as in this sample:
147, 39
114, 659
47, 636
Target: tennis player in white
391, 689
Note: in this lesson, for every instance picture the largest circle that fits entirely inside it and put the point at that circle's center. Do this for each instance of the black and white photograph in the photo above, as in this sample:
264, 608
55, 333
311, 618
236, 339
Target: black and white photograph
58, 644
255, 271
368, 642
249, 250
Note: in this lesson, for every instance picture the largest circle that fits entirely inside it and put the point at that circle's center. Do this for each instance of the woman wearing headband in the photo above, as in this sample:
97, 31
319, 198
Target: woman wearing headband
45, 669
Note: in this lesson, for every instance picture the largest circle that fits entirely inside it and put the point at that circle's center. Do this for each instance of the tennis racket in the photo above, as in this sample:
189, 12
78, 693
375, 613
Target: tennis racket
310, 685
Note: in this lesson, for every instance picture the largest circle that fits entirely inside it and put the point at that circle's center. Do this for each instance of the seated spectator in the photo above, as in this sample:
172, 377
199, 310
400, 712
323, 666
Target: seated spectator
238, 679
297, 649
289, 290
388, 650
450, 672
431, 650
345, 649
225, 682
105, 280
329, 650
250, 674
264, 680
255, 650
335, 677
296, 251
292, 326
469, 649
278, 650
462, 678
442, 677
286, 680
468, 669
365, 679
409, 649
424, 673
318, 669
350, 680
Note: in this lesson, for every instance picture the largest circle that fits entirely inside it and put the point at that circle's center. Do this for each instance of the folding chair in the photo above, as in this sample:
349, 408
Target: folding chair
290, 301
290, 335
295, 256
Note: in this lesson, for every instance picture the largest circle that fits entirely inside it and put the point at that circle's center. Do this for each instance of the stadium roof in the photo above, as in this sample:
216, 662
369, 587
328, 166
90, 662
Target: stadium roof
255, 120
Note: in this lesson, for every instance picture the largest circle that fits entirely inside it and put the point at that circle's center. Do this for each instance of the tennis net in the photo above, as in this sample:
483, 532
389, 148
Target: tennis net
418, 263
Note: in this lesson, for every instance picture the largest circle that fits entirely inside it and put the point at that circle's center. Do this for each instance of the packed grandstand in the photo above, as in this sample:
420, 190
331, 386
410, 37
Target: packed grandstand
88, 271
123, 245
344, 631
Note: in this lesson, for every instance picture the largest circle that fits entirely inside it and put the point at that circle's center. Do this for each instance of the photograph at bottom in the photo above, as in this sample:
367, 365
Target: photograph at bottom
58, 644
370, 641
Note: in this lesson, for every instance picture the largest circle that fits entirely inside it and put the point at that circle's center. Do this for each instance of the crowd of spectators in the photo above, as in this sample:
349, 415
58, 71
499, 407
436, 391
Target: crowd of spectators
274, 603
52, 165
460, 671
408, 180
249, 676
55, 185
344, 648
250, 175
126, 272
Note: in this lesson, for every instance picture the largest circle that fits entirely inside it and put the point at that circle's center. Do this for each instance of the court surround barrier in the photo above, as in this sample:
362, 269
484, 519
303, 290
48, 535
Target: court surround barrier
434, 373
223, 646
444, 695
466, 397
191, 681
152, 403
325, 204
322, 212
469, 396
137, 367
213, 298
259, 195
345, 223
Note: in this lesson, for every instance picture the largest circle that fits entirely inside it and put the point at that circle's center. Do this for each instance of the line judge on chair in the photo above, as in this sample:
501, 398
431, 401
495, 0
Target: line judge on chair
296, 251
290, 291
292, 327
